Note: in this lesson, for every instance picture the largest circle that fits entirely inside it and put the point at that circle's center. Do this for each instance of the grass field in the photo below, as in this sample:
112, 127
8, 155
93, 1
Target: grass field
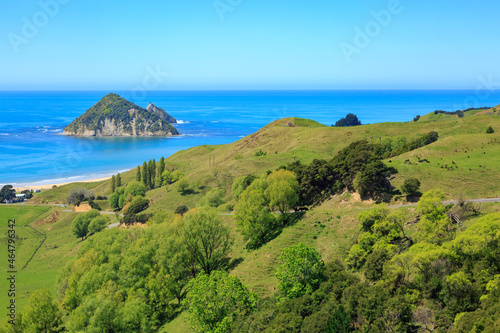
59, 247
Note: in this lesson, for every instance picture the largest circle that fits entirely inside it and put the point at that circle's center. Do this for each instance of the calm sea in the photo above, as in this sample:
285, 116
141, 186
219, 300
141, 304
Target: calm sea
32, 152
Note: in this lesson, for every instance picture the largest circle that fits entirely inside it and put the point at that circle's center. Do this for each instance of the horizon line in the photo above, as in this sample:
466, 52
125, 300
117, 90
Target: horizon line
183, 90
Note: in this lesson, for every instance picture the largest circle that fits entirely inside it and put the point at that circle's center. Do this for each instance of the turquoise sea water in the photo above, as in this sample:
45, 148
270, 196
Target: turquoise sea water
31, 151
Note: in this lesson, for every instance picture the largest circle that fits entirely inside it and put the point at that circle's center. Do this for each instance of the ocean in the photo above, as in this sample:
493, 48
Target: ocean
32, 151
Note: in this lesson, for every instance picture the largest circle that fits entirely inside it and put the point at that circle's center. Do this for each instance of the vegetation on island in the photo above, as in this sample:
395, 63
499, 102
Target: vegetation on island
115, 116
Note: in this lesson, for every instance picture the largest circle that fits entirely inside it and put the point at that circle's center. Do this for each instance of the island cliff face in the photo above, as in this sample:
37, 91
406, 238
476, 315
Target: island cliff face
115, 116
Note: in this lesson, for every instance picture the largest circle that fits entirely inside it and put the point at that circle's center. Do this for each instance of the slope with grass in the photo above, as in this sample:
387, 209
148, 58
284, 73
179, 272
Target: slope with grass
331, 227
217, 166
59, 247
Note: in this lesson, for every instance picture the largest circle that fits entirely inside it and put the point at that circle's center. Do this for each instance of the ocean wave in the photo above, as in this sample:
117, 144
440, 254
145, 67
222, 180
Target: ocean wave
4, 134
183, 122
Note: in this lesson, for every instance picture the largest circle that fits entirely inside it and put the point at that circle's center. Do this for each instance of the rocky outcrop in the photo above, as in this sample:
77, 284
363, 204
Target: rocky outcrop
161, 113
115, 116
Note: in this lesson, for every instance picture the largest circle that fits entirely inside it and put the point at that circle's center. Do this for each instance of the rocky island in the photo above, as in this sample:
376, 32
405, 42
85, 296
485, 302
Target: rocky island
115, 116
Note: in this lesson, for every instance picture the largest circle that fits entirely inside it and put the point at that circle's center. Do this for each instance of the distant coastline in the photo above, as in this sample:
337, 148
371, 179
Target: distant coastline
33, 151
35, 186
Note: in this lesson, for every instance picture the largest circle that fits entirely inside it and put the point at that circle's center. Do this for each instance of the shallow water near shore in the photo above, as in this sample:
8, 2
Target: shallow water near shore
32, 151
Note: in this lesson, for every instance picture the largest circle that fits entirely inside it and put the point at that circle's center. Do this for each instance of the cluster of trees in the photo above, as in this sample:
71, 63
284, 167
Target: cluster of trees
349, 120
356, 167
7, 192
399, 145
42, 314
130, 199
116, 181
89, 223
81, 194
154, 176
134, 280
259, 199
442, 281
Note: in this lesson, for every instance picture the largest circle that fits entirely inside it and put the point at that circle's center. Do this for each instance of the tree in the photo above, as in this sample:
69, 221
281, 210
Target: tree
411, 187
81, 223
42, 313
118, 180
151, 174
490, 130
183, 186
98, 224
300, 271
241, 183
135, 188
138, 174
7, 192
78, 194
182, 209
349, 120
214, 300
374, 265
145, 174
113, 200
161, 167
372, 179
207, 239
214, 198
435, 226
113, 183
255, 220
282, 190
137, 205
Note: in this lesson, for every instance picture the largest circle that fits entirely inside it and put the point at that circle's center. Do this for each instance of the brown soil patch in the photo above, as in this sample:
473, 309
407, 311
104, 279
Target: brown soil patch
52, 218
84, 207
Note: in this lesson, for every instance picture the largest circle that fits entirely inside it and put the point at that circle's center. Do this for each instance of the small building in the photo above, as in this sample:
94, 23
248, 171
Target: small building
21, 197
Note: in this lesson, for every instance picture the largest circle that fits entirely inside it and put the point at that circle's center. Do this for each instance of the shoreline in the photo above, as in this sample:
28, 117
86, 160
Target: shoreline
49, 186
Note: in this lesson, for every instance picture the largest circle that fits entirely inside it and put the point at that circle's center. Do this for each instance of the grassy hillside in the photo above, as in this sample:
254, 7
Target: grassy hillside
59, 247
463, 161
462, 140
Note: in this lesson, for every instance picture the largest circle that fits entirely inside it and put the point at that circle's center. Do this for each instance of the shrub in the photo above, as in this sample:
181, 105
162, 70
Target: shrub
135, 188
349, 120
260, 152
490, 130
182, 209
184, 186
214, 300
300, 270
214, 198
411, 187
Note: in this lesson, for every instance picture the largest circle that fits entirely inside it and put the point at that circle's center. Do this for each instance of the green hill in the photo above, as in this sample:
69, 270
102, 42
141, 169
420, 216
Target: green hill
463, 160
115, 116
463, 144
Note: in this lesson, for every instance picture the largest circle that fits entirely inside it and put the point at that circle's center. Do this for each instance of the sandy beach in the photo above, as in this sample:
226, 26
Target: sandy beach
49, 186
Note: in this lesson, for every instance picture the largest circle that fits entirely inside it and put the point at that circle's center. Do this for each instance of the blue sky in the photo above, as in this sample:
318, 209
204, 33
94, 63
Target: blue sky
247, 44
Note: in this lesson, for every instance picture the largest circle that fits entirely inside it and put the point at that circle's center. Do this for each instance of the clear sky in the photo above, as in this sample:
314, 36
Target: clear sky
248, 44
